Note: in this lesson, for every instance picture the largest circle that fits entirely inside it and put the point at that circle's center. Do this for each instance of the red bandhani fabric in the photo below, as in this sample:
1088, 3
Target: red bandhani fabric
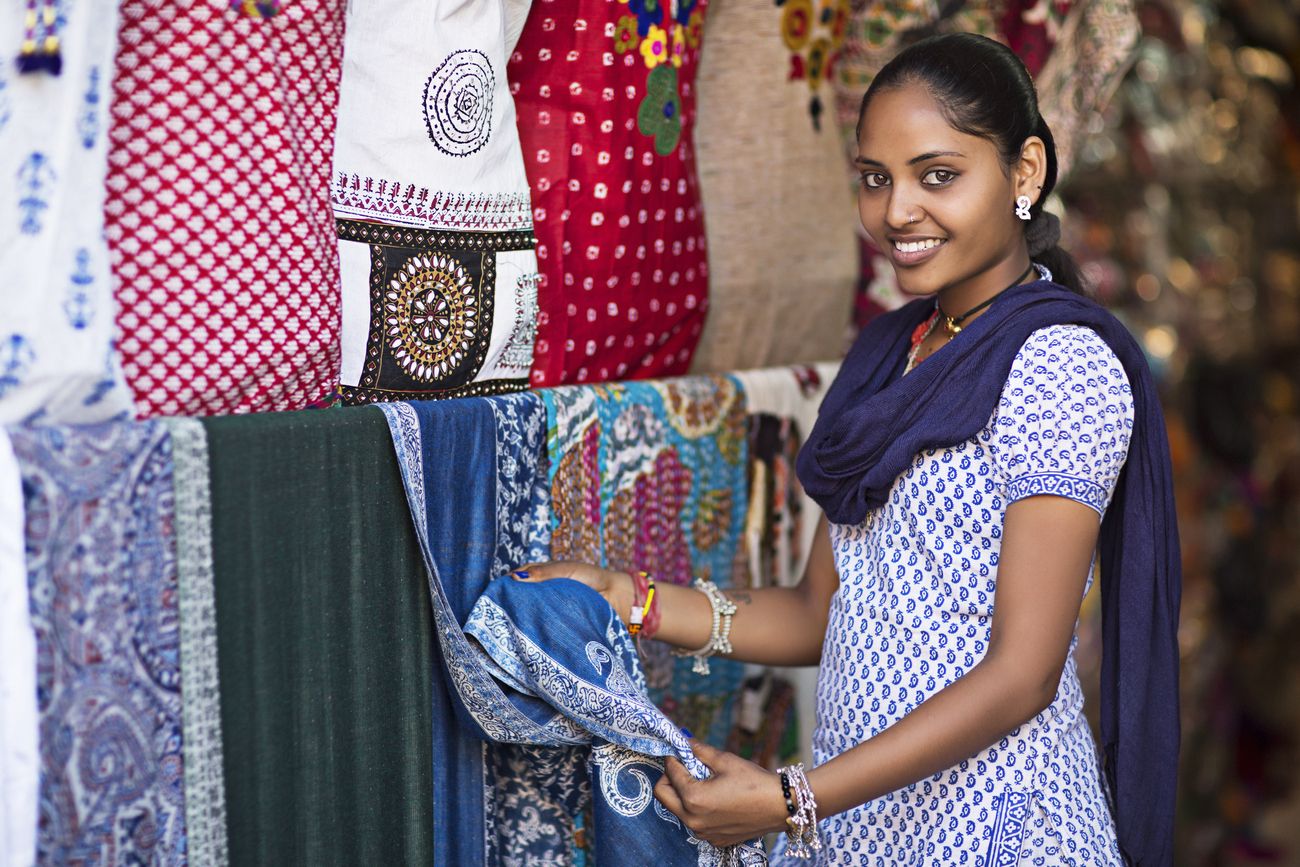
218, 213
605, 97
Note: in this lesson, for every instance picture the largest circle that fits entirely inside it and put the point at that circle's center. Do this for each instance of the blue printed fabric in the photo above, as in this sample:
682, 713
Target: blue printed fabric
653, 476
101, 558
914, 613
474, 472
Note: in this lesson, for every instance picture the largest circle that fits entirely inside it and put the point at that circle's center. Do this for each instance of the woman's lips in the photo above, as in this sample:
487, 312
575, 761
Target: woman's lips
912, 256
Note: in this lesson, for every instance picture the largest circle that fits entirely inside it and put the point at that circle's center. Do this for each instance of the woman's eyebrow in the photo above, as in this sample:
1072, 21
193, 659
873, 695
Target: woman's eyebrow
920, 158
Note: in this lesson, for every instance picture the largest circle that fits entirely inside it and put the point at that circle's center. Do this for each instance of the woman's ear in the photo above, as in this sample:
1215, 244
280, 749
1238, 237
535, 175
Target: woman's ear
1031, 171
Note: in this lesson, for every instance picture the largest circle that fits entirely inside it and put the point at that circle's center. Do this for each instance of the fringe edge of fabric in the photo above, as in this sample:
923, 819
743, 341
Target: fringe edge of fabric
205, 785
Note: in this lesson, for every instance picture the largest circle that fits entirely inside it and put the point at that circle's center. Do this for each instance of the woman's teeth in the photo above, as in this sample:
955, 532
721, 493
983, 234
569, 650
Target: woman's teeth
916, 246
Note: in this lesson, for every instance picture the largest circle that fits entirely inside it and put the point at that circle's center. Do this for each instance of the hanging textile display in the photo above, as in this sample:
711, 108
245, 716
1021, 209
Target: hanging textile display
782, 255
550, 666
1097, 43
219, 224
325, 643
205, 784
57, 363
606, 100
435, 228
19, 759
652, 476
101, 563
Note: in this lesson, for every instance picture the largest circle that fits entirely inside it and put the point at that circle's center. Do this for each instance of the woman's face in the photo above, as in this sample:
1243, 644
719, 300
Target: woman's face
938, 202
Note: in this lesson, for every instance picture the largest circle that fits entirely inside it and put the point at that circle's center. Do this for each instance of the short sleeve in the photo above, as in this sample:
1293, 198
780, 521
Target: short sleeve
1064, 420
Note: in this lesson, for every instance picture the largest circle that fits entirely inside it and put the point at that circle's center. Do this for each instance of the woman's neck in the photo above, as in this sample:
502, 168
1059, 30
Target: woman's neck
955, 300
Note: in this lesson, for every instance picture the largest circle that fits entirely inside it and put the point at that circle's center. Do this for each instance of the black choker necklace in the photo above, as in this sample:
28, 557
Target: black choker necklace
953, 323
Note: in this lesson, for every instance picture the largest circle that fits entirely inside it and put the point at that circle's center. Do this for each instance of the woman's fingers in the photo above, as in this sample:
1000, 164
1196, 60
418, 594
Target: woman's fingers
668, 796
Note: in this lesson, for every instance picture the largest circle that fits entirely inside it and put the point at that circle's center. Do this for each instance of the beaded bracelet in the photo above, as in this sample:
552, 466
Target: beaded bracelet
720, 633
802, 807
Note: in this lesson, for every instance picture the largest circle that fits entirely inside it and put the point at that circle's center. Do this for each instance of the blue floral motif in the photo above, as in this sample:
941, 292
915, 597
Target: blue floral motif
79, 306
16, 359
647, 12
683, 9
6, 107
88, 122
36, 177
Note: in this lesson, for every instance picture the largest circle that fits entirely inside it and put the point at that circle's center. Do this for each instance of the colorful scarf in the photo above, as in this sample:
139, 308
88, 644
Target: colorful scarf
874, 421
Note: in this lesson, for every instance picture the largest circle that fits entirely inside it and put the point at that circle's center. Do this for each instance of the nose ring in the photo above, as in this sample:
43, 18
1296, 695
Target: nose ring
911, 219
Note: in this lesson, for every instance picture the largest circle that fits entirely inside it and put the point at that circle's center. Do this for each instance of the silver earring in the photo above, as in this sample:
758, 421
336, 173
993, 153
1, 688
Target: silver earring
1022, 207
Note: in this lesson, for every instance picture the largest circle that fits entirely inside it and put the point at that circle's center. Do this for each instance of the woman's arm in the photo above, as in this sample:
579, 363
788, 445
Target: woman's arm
772, 625
1046, 550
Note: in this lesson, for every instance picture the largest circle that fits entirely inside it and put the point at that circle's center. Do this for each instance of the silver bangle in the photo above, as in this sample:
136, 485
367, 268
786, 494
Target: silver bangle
720, 632
802, 823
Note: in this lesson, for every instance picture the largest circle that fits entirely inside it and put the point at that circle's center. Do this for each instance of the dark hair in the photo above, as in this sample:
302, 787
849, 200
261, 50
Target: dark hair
984, 90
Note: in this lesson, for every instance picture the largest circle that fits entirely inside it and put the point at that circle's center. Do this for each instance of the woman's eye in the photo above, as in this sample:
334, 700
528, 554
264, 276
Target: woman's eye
938, 177
873, 180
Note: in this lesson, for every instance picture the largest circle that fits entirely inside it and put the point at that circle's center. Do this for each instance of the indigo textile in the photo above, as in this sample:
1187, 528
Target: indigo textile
101, 561
540, 682
871, 425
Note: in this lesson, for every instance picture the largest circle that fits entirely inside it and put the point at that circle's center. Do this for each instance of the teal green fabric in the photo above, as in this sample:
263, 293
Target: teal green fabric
325, 641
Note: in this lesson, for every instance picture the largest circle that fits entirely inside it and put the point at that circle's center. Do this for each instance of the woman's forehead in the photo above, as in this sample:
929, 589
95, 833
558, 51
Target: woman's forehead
903, 122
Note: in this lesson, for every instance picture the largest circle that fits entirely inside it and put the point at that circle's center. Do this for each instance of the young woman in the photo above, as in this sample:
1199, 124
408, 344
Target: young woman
976, 446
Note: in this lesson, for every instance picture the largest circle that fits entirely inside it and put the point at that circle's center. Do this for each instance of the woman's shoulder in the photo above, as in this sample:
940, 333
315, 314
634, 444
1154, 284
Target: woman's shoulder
1073, 359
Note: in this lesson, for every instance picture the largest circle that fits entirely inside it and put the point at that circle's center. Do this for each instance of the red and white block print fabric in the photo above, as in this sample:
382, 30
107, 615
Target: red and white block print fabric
604, 90
218, 213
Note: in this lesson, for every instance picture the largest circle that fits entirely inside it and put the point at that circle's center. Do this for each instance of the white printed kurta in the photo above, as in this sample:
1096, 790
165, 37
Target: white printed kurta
913, 613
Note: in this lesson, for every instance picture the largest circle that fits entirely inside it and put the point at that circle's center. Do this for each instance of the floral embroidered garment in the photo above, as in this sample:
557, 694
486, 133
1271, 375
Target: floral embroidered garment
434, 224
57, 364
499, 510
652, 475
223, 246
606, 101
101, 561
19, 760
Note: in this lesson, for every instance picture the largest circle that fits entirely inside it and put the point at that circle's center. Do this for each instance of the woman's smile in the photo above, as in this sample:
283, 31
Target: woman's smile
908, 251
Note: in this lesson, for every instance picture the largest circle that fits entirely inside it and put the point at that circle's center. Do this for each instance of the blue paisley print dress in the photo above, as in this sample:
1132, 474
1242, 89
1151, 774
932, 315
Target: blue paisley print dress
913, 613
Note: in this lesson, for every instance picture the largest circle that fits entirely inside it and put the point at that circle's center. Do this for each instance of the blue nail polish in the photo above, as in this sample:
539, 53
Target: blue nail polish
687, 732
521, 574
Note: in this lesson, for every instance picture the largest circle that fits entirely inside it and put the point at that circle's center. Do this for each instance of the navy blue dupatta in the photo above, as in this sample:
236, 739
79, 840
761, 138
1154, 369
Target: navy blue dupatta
874, 421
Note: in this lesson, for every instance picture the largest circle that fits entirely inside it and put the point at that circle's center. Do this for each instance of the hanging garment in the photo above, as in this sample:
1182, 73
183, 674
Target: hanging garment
652, 476
606, 101
550, 665
435, 228
782, 251
1095, 47
205, 784
19, 759
219, 225
57, 363
325, 643
1019, 354
101, 563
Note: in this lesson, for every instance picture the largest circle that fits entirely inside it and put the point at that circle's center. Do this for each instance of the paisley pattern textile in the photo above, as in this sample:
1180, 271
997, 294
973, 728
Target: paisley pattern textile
434, 223
652, 476
606, 100
57, 363
223, 250
522, 680
102, 572
19, 723
913, 613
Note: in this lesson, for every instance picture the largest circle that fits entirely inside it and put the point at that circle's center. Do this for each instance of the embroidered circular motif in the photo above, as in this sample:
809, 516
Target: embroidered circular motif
431, 316
458, 103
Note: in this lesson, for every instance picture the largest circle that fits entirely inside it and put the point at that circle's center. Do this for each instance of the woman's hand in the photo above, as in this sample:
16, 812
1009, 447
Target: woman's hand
616, 587
740, 802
